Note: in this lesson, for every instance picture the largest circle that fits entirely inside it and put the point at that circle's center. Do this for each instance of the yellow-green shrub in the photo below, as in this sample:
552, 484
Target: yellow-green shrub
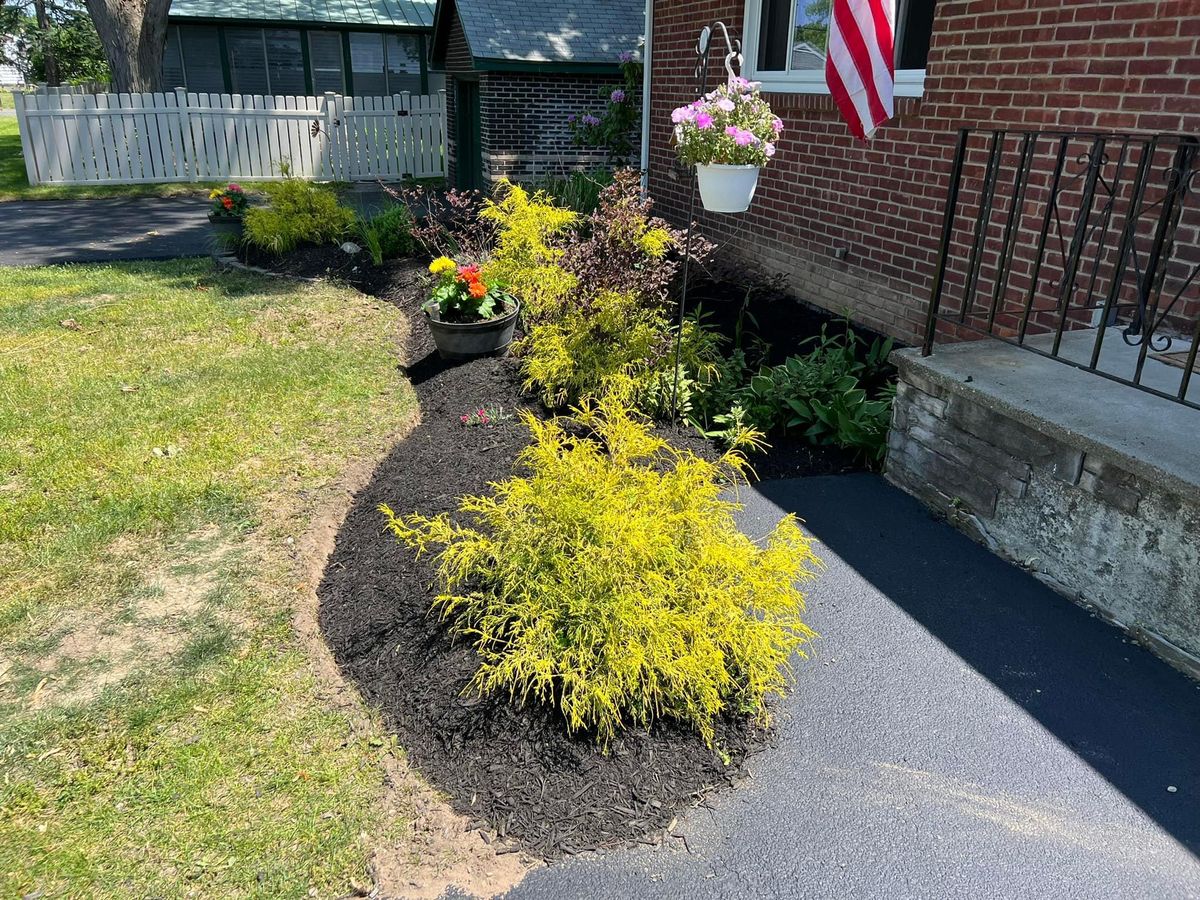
612, 581
298, 212
529, 230
611, 338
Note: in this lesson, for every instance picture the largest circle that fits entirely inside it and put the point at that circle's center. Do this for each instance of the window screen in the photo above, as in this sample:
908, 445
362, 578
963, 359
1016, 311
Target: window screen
172, 69
247, 60
367, 63
201, 52
325, 54
403, 63
285, 61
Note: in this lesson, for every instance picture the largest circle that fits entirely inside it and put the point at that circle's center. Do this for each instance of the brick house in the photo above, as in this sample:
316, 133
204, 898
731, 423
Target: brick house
856, 226
516, 71
1074, 238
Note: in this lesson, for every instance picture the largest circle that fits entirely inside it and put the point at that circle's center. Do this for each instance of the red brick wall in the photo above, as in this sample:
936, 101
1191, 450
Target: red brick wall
1078, 64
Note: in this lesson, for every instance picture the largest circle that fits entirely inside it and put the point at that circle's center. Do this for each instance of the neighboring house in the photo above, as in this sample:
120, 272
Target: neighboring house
517, 70
9, 76
294, 47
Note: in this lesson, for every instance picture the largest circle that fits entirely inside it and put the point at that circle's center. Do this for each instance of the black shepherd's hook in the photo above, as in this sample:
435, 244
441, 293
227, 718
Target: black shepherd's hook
733, 56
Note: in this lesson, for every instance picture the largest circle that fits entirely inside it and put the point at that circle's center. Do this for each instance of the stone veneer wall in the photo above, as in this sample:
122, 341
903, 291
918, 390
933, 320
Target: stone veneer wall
1123, 542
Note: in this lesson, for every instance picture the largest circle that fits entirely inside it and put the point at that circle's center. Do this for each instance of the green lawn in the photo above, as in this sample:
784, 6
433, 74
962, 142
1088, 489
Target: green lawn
166, 432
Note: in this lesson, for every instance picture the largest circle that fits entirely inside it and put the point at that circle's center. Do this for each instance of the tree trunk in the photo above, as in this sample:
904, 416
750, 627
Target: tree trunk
133, 33
49, 59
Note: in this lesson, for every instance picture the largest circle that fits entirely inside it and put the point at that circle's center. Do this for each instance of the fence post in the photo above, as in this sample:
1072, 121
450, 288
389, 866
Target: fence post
332, 161
445, 135
19, 101
185, 136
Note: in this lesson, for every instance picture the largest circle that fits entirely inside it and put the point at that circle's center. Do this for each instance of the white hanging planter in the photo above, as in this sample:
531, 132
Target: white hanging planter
726, 188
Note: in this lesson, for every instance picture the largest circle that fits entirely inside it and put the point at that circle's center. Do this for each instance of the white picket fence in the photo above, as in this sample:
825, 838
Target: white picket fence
181, 136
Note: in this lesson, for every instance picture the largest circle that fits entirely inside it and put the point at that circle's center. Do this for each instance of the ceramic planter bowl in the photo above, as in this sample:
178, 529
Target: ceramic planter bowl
470, 340
725, 188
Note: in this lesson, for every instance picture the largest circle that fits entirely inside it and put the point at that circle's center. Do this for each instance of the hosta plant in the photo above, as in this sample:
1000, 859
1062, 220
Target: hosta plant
610, 580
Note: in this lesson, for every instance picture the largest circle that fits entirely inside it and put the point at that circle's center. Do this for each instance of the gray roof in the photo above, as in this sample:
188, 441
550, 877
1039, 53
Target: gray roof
572, 31
395, 13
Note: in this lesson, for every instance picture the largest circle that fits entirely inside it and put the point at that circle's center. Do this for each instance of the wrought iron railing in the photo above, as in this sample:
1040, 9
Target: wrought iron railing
1083, 247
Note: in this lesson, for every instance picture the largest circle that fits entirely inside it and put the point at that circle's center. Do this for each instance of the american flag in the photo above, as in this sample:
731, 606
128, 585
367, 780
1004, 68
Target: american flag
859, 67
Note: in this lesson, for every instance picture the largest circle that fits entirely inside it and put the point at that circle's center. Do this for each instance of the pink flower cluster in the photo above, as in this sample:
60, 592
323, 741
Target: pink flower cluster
734, 110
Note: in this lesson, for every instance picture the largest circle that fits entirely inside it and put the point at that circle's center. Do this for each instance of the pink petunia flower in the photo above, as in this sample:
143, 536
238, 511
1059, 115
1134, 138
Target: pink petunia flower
726, 104
769, 149
703, 120
731, 130
777, 124
682, 114
743, 138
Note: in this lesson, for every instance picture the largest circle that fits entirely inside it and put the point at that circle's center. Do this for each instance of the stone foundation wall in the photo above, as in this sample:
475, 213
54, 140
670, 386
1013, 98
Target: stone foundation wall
1125, 542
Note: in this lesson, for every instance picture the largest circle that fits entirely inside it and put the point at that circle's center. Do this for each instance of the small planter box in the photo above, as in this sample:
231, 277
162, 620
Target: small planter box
471, 340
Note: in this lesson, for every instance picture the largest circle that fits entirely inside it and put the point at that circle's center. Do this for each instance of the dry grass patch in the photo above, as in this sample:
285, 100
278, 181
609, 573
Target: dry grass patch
166, 433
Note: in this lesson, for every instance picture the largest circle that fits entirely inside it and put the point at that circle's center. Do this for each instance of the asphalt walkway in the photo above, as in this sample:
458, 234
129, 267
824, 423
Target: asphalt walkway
45, 232
960, 731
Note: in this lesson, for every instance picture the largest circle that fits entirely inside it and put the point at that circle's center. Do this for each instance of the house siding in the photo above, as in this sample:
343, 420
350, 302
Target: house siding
1023, 64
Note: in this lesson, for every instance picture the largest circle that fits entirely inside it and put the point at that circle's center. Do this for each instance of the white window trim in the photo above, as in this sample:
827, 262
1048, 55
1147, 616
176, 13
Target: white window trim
909, 82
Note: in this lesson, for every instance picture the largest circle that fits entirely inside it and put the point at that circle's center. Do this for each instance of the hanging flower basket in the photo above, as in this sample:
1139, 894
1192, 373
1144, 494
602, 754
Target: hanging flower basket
728, 135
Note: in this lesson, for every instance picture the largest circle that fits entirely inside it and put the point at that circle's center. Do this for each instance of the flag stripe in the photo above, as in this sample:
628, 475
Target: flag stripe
859, 67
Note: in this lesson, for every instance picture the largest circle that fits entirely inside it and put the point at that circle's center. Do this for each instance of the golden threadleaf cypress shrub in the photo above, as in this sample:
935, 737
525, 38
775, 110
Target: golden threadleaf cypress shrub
612, 582
529, 229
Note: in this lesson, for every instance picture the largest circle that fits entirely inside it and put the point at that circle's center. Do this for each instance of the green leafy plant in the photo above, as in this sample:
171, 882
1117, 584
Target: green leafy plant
387, 234
297, 212
578, 191
837, 393
612, 582
614, 127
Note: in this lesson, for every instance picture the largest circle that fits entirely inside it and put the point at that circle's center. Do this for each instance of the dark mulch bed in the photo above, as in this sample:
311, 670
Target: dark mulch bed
513, 771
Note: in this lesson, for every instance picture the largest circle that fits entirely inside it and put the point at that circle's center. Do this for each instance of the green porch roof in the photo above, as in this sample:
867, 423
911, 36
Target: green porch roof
375, 13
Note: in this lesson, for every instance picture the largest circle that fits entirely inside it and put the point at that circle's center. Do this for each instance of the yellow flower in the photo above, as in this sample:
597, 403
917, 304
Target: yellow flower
214, 193
441, 264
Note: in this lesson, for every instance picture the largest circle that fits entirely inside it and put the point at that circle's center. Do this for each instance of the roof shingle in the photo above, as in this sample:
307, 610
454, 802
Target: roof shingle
593, 31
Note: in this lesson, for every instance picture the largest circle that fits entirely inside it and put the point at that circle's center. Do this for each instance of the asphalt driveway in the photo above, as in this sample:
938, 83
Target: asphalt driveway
961, 731
45, 232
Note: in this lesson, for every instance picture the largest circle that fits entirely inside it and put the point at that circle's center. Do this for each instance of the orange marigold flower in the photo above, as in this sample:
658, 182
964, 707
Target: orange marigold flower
478, 289
227, 203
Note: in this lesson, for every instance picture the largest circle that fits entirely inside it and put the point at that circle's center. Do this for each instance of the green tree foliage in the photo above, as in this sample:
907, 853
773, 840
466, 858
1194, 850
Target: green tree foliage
64, 49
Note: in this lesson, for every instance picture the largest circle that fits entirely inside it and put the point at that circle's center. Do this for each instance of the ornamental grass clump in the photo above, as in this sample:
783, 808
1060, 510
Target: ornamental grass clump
612, 583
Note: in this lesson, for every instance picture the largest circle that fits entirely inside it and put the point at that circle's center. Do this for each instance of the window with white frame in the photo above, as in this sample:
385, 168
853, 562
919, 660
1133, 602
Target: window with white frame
786, 39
